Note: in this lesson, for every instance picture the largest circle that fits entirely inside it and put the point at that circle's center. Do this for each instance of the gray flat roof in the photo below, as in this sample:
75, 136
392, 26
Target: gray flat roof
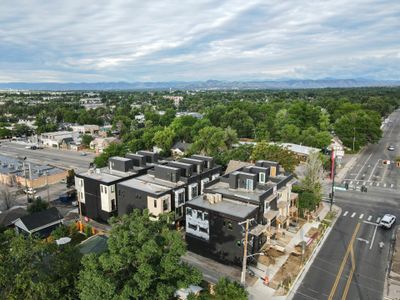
106, 175
151, 184
226, 206
120, 158
224, 189
9, 165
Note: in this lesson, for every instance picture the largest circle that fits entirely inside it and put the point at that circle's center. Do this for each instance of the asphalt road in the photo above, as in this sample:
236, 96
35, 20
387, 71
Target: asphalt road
370, 170
61, 158
351, 265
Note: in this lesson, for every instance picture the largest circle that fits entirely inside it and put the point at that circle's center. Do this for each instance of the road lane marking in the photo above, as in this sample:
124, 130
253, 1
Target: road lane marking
378, 220
370, 223
377, 184
361, 216
349, 279
369, 218
373, 170
345, 213
391, 185
366, 161
370, 183
363, 240
351, 182
339, 274
384, 185
352, 216
373, 238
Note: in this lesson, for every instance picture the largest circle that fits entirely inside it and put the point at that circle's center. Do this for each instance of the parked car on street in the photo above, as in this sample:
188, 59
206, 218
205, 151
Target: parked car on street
391, 148
387, 221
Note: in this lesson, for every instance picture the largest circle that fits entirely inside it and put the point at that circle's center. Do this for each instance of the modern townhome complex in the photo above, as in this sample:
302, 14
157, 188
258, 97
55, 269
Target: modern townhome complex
167, 186
142, 181
96, 188
214, 220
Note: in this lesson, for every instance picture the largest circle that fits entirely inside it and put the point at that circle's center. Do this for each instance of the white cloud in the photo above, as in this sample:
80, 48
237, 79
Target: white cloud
196, 40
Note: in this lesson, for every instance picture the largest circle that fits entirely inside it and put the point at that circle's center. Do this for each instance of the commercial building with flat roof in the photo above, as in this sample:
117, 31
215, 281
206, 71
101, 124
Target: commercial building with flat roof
22, 173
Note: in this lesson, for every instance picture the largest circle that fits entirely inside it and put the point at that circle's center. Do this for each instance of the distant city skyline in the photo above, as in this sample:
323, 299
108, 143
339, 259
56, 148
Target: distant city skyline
93, 41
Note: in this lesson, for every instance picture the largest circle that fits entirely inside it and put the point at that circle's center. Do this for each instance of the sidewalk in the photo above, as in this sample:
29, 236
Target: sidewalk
392, 281
261, 291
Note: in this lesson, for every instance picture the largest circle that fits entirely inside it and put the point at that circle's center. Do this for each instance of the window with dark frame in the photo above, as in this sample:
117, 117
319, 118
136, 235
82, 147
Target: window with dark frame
155, 203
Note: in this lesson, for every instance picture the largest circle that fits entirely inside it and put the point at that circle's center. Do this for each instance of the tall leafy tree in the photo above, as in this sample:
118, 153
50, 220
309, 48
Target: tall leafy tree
143, 261
356, 129
33, 269
164, 139
285, 157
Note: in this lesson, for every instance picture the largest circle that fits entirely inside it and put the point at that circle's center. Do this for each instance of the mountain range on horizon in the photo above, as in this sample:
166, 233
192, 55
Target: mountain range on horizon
200, 85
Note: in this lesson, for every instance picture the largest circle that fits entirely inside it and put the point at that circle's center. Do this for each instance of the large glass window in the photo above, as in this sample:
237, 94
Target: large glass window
249, 184
191, 226
165, 204
181, 198
194, 191
261, 177
188, 211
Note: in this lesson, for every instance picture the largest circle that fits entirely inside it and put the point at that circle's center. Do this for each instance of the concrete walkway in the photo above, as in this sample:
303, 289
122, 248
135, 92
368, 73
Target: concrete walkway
261, 291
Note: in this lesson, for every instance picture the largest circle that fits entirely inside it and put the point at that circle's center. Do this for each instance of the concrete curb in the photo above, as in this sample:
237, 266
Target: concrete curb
313, 255
386, 287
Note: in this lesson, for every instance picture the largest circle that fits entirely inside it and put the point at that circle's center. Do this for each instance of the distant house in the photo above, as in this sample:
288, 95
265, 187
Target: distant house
86, 129
66, 142
179, 149
55, 139
302, 152
99, 144
188, 113
41, 223
8, 217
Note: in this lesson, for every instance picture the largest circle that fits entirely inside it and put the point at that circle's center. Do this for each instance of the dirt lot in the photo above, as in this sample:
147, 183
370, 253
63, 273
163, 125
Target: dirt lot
270, 256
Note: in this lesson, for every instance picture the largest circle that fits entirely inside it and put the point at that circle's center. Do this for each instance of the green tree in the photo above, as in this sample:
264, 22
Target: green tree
228, 290
143, 261
289, 133
32, 269
5, 133
313, 175
212, 140
86, 139
324, 122
38, 205
356, 129
22, 129
164, 139
114, 149
264, 151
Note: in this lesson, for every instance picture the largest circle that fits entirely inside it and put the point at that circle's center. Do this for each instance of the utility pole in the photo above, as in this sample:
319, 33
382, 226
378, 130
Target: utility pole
47, 186
332, 176
244, 263
26, 184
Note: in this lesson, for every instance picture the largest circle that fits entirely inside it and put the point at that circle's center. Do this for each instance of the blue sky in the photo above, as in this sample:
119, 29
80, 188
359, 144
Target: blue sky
91, 41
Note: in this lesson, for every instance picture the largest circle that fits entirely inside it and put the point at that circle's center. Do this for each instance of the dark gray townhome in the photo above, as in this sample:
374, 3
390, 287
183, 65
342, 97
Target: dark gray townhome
261, 192
167, 186
96, 188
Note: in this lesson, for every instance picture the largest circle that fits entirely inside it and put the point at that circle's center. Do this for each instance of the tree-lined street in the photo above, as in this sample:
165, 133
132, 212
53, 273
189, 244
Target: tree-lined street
351, 265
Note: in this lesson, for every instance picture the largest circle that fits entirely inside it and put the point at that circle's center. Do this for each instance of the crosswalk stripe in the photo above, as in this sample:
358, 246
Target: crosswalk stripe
345, 213
361, 216
377, 184
391, 185
384, 185
353, 214
378, 220
369, 218
370, 183
351, 182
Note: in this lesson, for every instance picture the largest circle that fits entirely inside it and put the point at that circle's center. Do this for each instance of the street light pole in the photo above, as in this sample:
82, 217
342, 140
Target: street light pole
47, 186
245, 256
332, 177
